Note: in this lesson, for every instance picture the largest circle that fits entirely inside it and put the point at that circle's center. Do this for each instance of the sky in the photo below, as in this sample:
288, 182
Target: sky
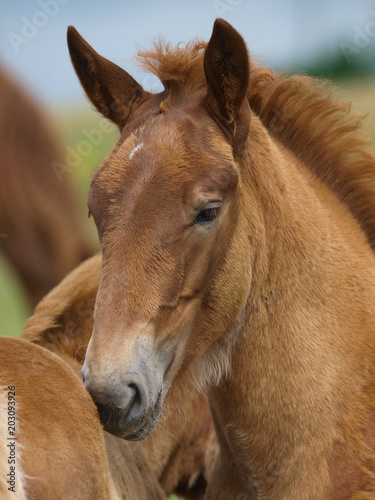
279, 32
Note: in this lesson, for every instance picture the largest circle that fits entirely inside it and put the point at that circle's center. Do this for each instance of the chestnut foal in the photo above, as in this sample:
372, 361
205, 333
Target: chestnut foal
238, 254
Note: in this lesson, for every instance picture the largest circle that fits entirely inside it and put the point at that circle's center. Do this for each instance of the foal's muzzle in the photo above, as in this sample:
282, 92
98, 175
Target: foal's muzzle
126, 408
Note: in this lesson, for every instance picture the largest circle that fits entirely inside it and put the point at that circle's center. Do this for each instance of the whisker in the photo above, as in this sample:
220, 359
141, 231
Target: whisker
80, 347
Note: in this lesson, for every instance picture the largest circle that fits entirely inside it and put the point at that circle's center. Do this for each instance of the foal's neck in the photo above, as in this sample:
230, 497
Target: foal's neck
278, 409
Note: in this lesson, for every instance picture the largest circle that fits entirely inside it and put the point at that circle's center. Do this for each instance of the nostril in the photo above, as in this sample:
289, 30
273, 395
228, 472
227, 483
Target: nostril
137, 397
131, 400
137, 402
121, 406
83, 377
118, 417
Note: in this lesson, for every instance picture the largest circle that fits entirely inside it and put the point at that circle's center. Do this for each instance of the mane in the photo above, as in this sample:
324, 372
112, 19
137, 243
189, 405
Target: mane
304, 115
300, 111
179, 68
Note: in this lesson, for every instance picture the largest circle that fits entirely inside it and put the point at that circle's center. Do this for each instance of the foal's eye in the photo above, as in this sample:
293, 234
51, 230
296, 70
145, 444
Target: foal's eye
207, 215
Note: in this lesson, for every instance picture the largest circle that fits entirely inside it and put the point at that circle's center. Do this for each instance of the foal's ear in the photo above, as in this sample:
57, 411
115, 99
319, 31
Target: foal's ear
226, 66
111, 89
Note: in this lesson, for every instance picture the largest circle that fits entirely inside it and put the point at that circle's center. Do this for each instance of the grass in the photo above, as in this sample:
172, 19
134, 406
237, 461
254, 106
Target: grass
73, 126
14, 307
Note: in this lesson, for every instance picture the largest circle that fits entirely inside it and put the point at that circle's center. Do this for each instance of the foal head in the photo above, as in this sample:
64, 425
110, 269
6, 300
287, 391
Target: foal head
165, 206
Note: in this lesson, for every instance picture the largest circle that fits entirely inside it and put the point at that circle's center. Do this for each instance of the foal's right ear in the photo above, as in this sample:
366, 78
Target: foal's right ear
111, 89
226, 66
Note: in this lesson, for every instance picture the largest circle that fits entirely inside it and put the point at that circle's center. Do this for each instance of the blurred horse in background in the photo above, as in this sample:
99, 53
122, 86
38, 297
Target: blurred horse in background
39, 223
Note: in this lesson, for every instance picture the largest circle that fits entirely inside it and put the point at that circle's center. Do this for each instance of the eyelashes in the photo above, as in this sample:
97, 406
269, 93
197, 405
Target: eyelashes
207, 215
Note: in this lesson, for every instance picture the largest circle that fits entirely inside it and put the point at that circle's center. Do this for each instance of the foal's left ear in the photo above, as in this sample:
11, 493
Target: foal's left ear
111, 89
226, 66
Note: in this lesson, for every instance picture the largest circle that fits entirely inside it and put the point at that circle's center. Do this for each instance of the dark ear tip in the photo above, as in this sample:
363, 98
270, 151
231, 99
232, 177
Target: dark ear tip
223, 30
77, 44
222, 23
71, 30
72, 35
222, 26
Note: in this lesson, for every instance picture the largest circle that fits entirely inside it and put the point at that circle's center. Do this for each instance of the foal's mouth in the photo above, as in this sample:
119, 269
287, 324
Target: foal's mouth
117, 423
